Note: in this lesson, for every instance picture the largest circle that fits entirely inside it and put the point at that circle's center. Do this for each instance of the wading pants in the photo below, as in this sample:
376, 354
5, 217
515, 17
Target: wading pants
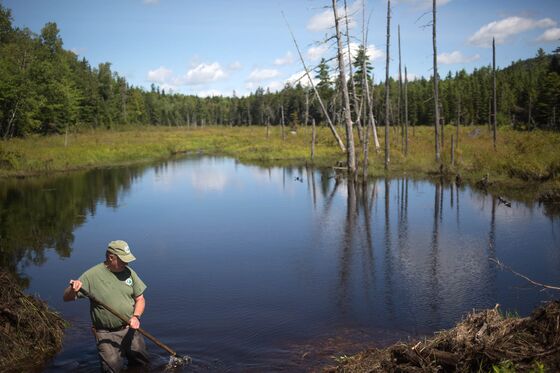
114, 346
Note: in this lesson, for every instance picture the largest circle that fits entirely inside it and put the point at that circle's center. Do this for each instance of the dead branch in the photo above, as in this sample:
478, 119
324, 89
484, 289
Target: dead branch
503, 266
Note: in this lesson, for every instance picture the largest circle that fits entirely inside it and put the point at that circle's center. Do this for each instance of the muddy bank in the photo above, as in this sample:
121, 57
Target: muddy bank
482, 340
30, 333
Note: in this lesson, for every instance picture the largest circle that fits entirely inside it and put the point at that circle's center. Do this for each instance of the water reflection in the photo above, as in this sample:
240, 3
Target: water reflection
40, 214
262, 259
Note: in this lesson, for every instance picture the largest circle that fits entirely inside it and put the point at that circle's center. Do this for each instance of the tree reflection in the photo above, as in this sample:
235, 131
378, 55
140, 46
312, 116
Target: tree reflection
42, 213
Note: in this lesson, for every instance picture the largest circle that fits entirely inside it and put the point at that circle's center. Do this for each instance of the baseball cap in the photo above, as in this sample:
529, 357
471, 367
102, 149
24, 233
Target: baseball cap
120, 248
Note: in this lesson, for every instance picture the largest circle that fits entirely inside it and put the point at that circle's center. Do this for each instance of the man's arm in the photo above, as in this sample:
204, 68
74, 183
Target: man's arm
71, 292
139, 305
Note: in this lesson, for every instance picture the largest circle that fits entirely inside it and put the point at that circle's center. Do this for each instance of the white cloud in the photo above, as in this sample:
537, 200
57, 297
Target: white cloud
315, 53
502, 30
325, 20
235, 66
301, 78
258, 75
204, 73
552, 34
456, 57
285, 60
160, 75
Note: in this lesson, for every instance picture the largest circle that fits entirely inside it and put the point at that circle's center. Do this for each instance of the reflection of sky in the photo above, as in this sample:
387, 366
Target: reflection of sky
254, 257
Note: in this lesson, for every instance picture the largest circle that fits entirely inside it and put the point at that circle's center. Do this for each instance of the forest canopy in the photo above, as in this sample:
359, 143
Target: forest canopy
45, 89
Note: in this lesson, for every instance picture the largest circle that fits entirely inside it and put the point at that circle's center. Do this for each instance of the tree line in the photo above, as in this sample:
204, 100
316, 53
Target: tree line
45, 89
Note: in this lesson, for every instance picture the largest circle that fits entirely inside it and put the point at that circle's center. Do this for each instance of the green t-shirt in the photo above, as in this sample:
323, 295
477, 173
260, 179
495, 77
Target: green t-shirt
116, 289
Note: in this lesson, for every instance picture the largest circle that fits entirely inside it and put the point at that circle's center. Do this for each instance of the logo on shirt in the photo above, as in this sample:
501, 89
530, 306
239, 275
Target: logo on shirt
128, 281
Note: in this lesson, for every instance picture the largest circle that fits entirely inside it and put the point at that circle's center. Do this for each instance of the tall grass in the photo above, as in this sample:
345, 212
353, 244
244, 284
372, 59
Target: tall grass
521, 158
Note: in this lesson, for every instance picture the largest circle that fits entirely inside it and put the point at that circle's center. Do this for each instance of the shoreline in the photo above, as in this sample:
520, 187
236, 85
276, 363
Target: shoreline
512, 172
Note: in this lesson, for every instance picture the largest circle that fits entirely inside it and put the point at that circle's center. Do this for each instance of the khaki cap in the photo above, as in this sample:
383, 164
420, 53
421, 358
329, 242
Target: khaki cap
120, 248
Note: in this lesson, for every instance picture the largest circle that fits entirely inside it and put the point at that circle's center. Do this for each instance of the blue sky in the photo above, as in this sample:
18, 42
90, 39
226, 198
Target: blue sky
214, 47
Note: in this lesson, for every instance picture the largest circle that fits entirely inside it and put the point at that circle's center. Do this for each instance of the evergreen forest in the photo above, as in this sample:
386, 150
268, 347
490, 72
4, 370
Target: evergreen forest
46, 89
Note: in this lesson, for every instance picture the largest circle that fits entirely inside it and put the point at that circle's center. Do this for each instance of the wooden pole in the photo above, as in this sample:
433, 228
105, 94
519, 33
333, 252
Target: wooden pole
125, 320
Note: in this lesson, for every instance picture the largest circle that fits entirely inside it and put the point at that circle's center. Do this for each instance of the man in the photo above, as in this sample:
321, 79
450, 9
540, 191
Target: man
114, 283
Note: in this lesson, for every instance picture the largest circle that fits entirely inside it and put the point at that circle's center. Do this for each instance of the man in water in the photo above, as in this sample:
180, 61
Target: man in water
114, 283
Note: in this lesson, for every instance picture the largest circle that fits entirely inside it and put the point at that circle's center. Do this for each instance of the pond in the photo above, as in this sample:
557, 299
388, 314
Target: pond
265, 269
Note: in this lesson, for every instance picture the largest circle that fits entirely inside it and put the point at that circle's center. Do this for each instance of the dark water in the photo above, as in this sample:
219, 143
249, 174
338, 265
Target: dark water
253, 269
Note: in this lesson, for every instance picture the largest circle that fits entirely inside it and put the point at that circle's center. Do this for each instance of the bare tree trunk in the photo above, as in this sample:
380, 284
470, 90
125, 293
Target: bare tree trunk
495, 106
306, 108
312, 139
452, 151
351, 77
400, 91
371, 117
458, 123
405, 113
387, 103
436, 93
351, 156
267, 127
282, 121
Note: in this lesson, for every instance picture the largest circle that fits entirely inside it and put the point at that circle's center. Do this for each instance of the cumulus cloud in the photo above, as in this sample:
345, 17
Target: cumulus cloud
456, 57
287, 59
301, 78
204, 73
315, 53
373, 53
552, 34
325, 20
258, 75
160, 75
504, 29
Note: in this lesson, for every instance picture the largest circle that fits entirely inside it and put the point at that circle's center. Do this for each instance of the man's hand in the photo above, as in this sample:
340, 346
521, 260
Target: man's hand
134, 322
76, 285
70, 293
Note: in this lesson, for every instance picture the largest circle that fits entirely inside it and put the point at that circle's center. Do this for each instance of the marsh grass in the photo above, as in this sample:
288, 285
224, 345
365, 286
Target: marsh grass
522, 159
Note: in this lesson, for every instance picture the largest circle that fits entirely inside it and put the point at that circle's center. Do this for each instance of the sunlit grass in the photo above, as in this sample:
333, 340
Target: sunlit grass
520, 158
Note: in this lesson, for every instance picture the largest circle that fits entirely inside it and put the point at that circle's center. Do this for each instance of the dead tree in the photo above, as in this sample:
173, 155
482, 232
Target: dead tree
495, 105
387, 102
351, 156
436, 94
399, 101
351, 77
405, 112
312, 139
282, 121
323, 108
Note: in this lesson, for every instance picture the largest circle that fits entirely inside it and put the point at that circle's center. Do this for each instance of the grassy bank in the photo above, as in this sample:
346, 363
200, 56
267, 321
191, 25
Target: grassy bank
523, 161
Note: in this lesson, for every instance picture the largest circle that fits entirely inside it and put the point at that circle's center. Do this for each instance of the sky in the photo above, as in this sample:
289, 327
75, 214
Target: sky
218, 47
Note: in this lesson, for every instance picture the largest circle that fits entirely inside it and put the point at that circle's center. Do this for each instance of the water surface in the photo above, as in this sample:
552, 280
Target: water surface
264, 269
